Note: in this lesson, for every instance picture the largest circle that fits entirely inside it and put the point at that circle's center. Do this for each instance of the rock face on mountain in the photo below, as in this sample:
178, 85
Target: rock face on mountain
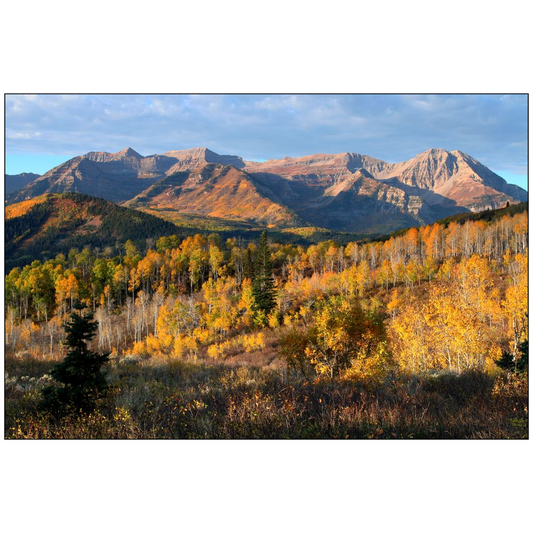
81, 174
360, 201
131, 164
318, 169
340, 192
15, 182
117, 176
435, 184
215, 190
453, 176
346, 191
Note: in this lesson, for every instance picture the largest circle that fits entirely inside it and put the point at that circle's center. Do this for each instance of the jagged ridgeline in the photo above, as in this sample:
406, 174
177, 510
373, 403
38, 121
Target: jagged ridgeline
42, 227
344, 192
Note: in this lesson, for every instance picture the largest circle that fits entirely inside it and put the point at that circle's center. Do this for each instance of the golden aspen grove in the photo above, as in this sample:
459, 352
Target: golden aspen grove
422, 334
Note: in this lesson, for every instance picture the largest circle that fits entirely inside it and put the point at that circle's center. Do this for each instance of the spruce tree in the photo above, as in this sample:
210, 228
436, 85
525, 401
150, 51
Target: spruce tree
80, 372
248, 265
517, 365
263, 282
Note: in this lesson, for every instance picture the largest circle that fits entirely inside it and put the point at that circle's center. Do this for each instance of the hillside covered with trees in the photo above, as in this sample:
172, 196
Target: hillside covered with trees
423, 334
42, 227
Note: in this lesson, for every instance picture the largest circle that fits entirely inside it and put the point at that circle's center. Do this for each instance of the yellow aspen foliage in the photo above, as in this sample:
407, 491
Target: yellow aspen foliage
375, 367
308, 289
185, 345
246, 303
348, 281
66, 289
331, 257
515, 304
290, 319
305, 313
201, 335
384, 274
273, 320
219, 310
217, 350
434, 242
330, 282
395, 303
216, 259
155, 346
429, 269
398, 270
457, 335
446, 269
411, 241
453, 327
252, 342
412, 273
362, 277
139, 349
411, 338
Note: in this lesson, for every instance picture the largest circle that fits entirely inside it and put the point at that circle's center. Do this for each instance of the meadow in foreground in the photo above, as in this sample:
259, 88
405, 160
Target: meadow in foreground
195, 399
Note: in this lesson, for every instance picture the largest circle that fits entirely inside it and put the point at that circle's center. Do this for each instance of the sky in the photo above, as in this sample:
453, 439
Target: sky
43, 131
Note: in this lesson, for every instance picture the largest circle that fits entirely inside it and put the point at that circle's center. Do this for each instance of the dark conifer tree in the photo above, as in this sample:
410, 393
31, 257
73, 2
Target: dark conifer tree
263, 282
519, 364
248, 265
80, 372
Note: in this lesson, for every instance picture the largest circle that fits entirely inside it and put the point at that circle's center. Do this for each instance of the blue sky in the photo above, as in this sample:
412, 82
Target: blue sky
42, 131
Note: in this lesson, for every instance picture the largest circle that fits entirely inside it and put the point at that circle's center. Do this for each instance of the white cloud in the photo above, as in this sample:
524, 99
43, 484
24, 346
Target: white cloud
391, 127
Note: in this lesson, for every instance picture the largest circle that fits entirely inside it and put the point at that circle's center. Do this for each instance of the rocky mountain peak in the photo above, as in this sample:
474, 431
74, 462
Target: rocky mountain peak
195, 157
105, 157
128, 152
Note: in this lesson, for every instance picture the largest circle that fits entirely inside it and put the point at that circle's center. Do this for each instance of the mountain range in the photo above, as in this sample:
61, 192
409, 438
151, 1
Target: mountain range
341, 192
15, 182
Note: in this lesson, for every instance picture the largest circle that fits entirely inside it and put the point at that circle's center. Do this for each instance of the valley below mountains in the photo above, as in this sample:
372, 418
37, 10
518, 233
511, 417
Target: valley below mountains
346, 192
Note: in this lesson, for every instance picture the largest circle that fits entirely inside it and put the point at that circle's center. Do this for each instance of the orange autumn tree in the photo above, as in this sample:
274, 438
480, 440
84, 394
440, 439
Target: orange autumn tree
344, 341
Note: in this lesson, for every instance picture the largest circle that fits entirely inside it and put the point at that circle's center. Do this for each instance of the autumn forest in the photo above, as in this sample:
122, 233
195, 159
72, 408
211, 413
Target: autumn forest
422, 334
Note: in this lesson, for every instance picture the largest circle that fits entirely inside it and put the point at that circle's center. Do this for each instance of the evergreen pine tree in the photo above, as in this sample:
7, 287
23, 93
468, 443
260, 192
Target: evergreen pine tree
518, 365
248, 265
506, 362
263, 282
80, 371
